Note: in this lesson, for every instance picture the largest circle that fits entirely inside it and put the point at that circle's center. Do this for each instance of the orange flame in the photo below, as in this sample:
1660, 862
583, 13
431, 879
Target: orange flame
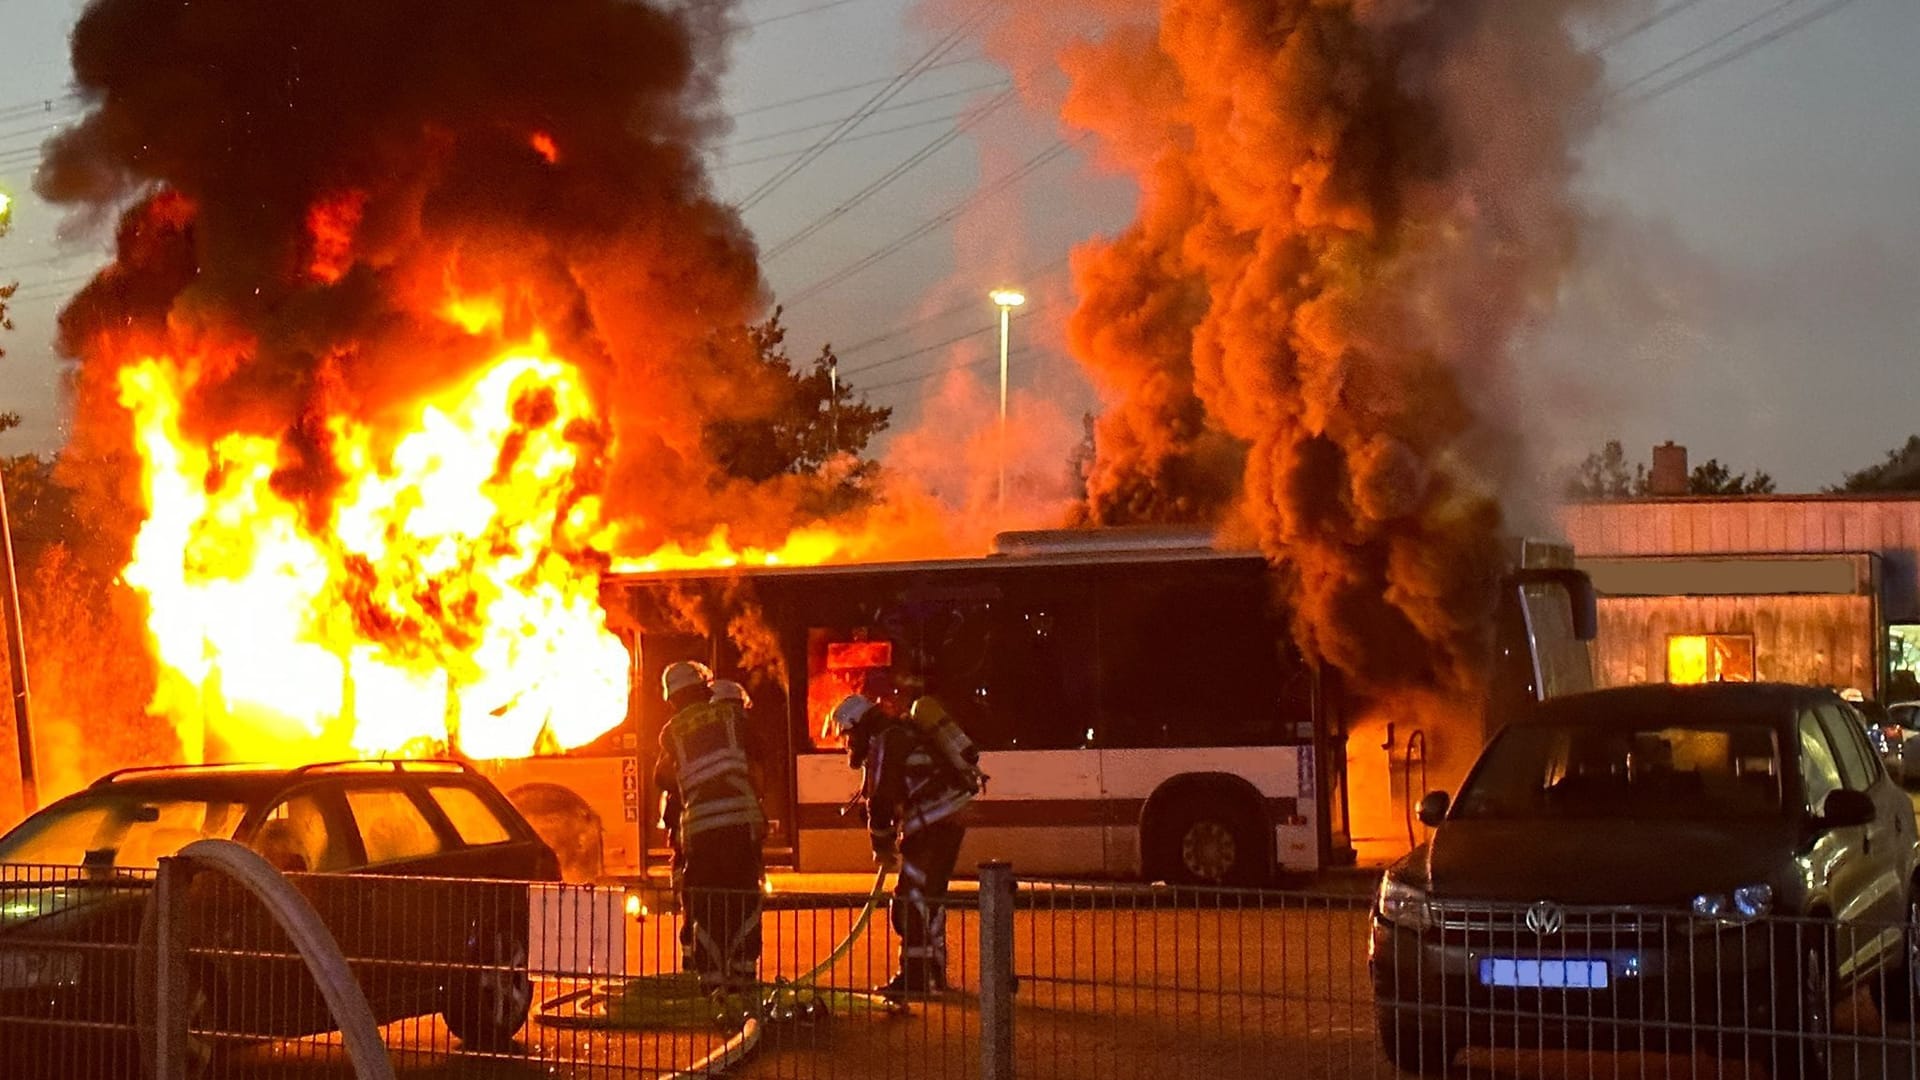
331, 224
544, 145
452, 596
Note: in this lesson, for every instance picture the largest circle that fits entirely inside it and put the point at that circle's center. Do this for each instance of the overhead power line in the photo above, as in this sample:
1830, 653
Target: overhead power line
1645, 77
1034, 164
15, 112
1785, 30
894, 86
782, 155
881, 182
1648, 23
847, 89
912, 380
1028, 274
814, 10
945, 95
40, 290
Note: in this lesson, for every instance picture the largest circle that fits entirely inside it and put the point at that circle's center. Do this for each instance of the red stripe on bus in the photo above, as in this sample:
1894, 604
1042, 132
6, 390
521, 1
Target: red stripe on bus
1040, 813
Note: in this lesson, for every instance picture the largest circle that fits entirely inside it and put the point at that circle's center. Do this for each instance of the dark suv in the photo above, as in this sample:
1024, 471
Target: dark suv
1628, 866
418, 868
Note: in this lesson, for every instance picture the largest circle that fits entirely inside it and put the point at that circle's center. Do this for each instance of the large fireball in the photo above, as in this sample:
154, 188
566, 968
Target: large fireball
450, 598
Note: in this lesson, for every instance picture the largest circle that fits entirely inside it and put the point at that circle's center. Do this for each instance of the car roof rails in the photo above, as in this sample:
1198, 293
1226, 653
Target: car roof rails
386, 765
383, 765
188, 769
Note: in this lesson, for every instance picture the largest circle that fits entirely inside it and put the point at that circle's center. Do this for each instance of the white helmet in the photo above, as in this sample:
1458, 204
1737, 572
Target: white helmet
848, 714
728, 690
683, 674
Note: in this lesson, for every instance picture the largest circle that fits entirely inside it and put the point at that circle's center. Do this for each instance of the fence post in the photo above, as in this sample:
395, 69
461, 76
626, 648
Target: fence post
996, 971
169, 1019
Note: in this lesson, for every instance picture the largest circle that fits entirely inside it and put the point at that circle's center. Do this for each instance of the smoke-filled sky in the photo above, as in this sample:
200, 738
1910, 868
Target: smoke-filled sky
1750, 286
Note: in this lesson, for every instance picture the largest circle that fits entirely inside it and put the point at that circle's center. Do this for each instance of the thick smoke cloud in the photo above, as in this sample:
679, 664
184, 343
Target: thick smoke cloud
303, 186
1348, 209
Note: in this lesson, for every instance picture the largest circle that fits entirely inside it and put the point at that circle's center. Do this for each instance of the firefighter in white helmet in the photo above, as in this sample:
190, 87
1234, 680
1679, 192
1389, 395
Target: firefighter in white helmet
728, 690
703, 764
913, 800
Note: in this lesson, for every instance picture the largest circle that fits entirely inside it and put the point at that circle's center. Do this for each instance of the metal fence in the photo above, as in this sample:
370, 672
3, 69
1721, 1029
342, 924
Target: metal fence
1050, 979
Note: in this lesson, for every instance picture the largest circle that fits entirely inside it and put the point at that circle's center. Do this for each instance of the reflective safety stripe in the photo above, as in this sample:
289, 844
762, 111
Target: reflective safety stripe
705, 745
945, 805
751, 924
710, 767
720, 814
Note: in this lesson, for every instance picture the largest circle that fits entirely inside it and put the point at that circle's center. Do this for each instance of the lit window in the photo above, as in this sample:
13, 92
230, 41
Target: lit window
1703, 658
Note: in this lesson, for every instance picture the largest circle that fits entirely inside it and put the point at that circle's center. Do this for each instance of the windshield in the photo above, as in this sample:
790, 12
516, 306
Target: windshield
1622, 771
114, 829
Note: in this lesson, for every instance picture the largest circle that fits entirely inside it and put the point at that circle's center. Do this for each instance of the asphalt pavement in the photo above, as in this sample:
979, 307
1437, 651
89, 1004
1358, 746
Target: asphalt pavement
1259, 989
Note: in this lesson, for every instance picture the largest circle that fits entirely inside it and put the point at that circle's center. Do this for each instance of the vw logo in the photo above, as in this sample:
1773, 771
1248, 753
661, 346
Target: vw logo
1545, 918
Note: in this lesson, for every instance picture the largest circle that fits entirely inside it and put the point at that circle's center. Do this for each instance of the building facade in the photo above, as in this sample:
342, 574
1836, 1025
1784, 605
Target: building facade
1821, 589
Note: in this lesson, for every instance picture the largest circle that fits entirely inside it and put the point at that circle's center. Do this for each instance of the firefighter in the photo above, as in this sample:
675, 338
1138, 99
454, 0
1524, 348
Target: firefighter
703, 762
913, 801
728, 690
954, 750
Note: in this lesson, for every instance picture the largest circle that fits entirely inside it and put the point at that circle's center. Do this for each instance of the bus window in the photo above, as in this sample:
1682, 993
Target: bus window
908, 646
842, 662
1199, 659
1044, 665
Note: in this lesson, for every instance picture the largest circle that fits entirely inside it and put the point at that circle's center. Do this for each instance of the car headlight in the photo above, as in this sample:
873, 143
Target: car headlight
1402, 904
1746, 902
32, 969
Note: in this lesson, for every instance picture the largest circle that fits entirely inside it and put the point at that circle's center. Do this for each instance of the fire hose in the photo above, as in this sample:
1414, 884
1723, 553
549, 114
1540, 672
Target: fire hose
674, 999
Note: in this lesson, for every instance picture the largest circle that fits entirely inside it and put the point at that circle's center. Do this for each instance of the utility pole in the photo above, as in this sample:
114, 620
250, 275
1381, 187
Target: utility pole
16, 639
833, 405
17, 662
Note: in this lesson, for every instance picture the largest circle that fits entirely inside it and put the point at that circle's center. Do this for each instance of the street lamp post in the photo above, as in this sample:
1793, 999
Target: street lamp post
1006, 300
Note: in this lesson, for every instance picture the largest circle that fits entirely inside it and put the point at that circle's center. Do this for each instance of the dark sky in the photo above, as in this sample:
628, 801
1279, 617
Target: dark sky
1751, 284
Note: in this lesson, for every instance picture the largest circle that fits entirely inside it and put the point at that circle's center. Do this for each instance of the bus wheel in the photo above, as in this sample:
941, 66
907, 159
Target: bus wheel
1211, 844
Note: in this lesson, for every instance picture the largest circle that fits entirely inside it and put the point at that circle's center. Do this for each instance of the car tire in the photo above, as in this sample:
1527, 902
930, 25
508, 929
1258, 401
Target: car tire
1896, 988
1806, 1013
1412, 1044
1211, 843
488, 1005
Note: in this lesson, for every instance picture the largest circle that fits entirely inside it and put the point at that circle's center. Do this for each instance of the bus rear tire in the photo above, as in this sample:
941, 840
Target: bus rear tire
1210, 842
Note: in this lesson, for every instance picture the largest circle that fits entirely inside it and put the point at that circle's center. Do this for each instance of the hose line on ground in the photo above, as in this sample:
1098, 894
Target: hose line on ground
674, 999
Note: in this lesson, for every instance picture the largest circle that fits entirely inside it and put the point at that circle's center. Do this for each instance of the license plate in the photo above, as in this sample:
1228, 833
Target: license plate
1544, 974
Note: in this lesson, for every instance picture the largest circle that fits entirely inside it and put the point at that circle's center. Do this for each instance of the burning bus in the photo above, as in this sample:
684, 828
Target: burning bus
1136, 693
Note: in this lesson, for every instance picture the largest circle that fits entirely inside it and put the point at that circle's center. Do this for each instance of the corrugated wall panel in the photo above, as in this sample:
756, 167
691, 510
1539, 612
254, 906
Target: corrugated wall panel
1821, 640
1890, 529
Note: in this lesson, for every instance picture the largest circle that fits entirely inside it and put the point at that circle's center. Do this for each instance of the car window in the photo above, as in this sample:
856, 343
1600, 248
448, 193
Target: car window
472, 818
118, 829
296, 837
1847, 733
1819, 771
391, 826
1590, 771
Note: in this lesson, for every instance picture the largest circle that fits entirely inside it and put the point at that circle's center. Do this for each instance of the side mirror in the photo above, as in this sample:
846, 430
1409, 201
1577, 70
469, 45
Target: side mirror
1433, 808
1845, 809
